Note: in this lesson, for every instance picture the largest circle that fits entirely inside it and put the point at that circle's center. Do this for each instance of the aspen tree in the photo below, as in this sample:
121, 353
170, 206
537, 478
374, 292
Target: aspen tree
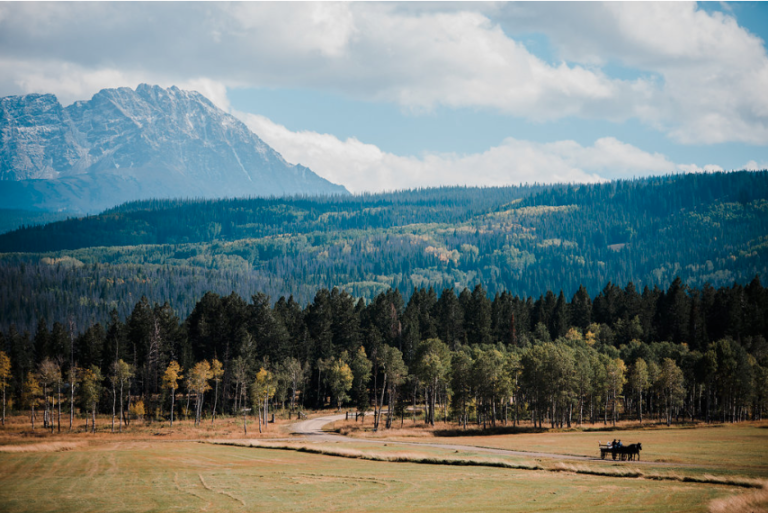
121, 376
91, 390
72, 372
296, 373
197, 381
171, 379
262, 389
30, 393
50, 373
638, 380
616, 371
339, 379
5, 376
217, 371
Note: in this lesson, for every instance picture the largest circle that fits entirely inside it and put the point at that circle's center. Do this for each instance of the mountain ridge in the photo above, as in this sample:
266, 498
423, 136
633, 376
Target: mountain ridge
124, 145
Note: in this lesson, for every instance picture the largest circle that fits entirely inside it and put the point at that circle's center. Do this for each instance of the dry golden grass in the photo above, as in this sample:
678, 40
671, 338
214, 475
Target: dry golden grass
42, 447
399, 457
739, 442
419, 458
18, 429
739, 447
364, 429
189, 477
743, 482
749, 502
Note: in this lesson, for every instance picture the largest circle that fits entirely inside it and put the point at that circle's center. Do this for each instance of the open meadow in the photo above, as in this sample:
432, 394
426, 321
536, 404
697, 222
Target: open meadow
730, 448
186, 476
150, 468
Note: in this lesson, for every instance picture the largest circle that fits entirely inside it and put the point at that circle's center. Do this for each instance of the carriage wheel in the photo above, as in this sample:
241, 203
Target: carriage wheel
602, 455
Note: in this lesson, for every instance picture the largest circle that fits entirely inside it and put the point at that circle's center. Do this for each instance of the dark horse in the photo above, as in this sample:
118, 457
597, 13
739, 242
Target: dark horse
628, 452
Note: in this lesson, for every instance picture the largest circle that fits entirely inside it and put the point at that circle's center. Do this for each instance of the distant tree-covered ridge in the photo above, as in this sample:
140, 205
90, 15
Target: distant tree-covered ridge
668, 355
704, 228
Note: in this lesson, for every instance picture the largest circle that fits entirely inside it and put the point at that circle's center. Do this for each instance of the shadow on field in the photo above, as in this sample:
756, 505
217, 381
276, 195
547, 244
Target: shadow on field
510, 430
644, 427
498, 430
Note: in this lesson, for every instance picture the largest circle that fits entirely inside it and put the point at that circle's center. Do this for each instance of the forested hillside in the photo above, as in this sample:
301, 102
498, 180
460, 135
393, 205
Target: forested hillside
705, 228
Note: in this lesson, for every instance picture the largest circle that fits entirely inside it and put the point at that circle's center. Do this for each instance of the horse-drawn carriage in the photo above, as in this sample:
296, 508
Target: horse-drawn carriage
621, 452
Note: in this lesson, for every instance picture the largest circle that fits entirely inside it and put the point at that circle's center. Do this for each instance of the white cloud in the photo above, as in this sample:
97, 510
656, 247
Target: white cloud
364, 167
72, 82
693, 168
755, 166
712, 73
211, 89
698, 76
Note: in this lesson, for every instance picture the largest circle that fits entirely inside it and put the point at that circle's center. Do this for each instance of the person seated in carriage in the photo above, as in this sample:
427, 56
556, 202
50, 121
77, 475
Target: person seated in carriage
618, 444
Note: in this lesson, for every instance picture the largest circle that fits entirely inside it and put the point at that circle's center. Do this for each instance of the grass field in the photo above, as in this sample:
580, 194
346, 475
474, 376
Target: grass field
739, 448
184, 476
151, 468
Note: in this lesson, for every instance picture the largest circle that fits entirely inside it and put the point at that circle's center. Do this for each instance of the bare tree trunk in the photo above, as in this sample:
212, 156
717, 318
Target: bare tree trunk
45, 406
128, 417
71, 402
93, 419
427, 403
266, 411
3, 406
380, 405
58, 404
215, 401
517, 401
72, 376
445, 406
114, 400
122, 414
53, 411
669, 412
432, 404
375, 397
173, 396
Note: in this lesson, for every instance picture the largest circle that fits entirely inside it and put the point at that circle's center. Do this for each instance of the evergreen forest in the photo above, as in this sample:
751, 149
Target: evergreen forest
673, 355
703, 228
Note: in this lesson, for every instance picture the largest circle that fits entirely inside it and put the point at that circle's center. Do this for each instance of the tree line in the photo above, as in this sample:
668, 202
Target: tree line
674, 354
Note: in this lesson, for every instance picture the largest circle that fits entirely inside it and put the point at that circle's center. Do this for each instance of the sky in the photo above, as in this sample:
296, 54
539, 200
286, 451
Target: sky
385, 96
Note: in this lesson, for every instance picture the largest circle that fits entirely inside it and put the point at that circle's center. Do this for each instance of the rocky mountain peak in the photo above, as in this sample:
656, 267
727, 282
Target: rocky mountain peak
157, 142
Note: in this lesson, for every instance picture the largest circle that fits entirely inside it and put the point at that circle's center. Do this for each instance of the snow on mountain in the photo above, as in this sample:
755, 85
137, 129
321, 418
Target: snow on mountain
127, 144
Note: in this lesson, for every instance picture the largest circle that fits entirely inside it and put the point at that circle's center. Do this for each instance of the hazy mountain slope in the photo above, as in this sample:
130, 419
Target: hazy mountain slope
126, 145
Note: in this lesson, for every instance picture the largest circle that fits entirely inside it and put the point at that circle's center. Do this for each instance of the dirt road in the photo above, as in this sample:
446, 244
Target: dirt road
312, 429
